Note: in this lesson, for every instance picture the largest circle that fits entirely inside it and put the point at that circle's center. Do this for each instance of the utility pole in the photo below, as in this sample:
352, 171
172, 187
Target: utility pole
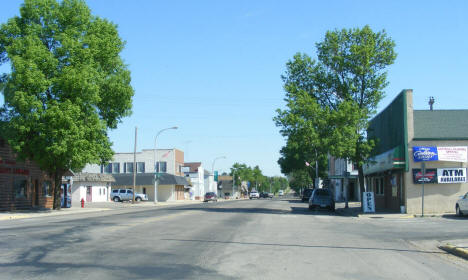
233, 182
134, 166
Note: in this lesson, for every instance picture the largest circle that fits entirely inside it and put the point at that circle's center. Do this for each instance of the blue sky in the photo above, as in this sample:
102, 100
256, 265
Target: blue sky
213, 68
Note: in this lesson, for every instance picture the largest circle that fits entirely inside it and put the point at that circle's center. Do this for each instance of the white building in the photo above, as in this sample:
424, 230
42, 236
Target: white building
201, 180
167, 163
343, 177
91, 187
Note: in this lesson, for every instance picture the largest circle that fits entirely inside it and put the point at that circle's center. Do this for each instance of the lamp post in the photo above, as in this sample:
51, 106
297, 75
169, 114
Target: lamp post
212, 169
156, 162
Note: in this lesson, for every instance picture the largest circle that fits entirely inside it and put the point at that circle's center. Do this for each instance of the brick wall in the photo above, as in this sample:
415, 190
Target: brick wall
14, 171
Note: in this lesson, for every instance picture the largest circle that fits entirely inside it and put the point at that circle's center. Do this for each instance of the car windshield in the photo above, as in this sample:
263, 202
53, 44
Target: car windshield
322, 192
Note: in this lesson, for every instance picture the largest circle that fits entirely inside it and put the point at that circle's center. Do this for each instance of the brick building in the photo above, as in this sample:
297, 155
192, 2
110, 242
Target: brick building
23, 185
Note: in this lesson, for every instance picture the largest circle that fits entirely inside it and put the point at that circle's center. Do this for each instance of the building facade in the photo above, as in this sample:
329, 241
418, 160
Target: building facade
392, 172
343, 178
23, 184
167, 163
91, 187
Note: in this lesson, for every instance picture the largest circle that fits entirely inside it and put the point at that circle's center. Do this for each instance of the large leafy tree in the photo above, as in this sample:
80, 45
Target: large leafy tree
68, 85
347, 81
305, 125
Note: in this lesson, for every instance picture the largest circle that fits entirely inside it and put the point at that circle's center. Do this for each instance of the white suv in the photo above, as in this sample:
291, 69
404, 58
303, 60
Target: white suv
254, 194
126, 194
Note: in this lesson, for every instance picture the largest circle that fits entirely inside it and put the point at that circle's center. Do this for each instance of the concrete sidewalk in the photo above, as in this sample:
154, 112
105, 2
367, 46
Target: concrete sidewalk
354, 210
92, 207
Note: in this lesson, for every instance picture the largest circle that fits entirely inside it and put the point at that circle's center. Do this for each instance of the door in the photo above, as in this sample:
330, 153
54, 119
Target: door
89, 194
180, 193
36, 193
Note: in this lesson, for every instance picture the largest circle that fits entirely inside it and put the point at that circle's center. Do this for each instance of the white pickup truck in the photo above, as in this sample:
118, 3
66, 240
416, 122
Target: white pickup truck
126, 194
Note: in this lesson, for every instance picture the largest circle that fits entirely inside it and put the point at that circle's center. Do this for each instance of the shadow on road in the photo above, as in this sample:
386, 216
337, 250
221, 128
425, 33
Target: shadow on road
72, 242
455, 217
305, 246
260, 210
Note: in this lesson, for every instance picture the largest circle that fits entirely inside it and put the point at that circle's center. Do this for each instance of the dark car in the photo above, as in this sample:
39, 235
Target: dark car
306, 194
322, 198
210, 196
264, 195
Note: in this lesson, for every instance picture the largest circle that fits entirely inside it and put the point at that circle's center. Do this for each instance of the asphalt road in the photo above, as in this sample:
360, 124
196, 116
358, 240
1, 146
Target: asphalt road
262, 239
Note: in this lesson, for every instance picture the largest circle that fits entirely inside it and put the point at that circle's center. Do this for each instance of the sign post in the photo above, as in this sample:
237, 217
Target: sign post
423, 170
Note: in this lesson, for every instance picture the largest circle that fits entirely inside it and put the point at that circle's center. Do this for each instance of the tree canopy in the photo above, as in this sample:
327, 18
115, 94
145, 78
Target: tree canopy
255, 178
330, 100
68, 85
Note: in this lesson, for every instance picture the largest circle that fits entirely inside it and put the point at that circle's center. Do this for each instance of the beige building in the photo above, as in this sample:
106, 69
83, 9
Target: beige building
402, 135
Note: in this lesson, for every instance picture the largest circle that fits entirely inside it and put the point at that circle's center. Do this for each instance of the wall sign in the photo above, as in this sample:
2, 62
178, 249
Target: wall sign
451, 175
430, 177
425, 154
457, 154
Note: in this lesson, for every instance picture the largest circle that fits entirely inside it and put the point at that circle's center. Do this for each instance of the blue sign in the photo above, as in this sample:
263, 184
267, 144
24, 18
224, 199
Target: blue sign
425, 154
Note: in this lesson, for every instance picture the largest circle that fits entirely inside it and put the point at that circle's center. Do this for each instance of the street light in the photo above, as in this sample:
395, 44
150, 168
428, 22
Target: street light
212, 169
156, 162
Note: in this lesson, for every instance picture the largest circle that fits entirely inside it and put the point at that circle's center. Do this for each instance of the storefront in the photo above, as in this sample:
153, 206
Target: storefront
394, 174
22, 184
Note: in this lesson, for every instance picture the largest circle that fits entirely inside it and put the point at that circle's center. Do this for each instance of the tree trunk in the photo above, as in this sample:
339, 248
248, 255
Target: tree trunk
57, 185
361, 183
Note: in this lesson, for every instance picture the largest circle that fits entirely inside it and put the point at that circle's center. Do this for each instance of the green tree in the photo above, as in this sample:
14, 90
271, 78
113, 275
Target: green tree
68, 85
300, 180
346, 82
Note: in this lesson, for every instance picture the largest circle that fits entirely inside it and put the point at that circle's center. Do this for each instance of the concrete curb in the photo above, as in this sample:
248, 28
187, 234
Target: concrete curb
454, 250
384, 216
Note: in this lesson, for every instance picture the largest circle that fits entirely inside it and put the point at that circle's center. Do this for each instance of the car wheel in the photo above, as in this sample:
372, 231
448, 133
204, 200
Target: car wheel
138, 199
459, 212
116, 199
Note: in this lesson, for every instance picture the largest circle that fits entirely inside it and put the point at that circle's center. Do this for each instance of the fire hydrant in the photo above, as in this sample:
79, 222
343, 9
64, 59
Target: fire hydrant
82, 203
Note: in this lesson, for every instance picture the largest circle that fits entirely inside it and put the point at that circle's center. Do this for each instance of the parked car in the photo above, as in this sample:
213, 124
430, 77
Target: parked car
254, 194
306, 194
322, 198
264, 195
210, 196
462, 205
118, 195
281, 193
270, 195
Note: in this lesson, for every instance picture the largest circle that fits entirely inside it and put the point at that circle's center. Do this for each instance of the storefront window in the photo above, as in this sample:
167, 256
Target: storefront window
115, 167
108, 168
379, 186
47, 188
161, 166
140, 167
20, 187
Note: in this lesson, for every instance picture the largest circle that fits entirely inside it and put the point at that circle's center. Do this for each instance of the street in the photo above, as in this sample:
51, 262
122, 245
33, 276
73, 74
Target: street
260, 239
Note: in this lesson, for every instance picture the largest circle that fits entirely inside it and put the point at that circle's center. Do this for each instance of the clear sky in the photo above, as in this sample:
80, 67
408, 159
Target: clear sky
213, 68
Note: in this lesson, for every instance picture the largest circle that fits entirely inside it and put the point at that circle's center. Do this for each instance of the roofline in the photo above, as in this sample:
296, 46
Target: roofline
441, 138
388, 105
440, 110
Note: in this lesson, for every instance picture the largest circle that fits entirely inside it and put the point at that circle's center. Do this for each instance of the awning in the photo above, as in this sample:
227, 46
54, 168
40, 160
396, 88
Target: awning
391, 159
147, 179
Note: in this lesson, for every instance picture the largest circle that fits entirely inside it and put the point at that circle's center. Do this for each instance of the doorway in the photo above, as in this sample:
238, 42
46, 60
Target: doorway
36, 193
89, 194
351, 191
